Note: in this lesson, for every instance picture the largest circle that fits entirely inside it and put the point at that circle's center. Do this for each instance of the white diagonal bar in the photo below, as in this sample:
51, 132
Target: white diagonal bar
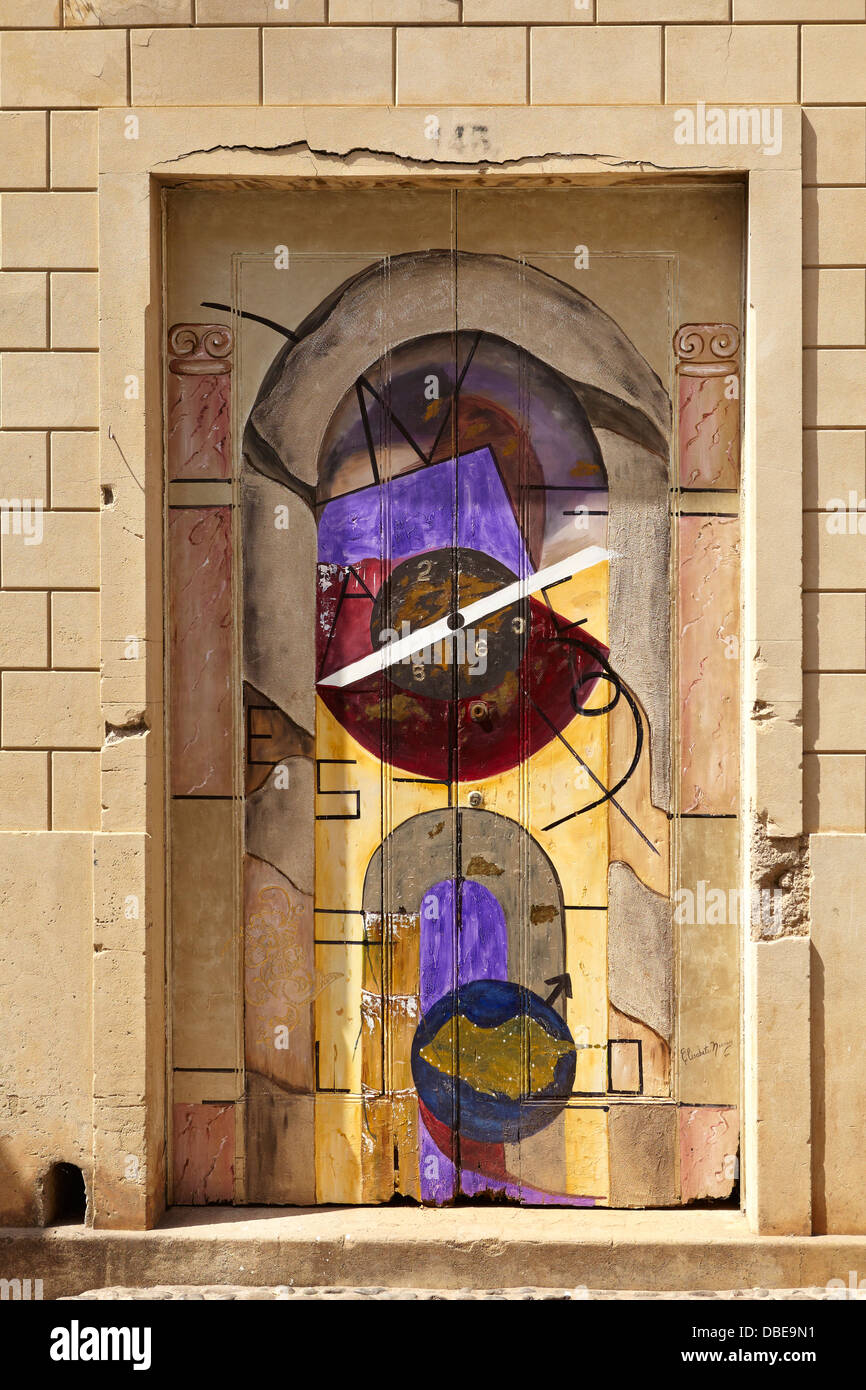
473, 613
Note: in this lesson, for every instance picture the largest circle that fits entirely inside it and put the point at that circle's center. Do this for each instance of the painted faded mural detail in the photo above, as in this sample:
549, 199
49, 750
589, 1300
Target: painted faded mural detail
485, 743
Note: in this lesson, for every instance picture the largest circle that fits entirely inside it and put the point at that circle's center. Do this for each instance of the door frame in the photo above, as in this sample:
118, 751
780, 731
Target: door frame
222, 147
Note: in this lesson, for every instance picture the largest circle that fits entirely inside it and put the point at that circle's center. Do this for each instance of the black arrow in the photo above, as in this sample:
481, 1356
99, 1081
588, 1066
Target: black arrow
562, 985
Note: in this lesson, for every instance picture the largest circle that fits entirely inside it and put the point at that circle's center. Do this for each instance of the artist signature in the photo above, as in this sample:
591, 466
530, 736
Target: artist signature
714, 1049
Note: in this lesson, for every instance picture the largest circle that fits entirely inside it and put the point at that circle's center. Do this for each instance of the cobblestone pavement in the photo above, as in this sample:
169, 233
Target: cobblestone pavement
237, 1291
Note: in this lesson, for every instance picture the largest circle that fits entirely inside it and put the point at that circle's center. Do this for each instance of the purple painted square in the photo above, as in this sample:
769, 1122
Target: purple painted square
415, 513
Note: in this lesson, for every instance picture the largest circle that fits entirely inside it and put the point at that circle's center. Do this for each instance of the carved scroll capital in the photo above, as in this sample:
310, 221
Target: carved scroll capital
708, 402
707, 349
200, 349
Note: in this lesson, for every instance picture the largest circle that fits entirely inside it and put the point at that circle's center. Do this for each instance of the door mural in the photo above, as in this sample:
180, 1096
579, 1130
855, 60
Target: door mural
466, 608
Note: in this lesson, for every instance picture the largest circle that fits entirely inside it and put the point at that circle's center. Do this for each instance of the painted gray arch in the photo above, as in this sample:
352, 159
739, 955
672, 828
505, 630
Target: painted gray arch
493, 850
419, 293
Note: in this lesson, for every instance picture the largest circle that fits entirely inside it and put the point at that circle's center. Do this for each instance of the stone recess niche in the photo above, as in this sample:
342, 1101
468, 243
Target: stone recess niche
443, 872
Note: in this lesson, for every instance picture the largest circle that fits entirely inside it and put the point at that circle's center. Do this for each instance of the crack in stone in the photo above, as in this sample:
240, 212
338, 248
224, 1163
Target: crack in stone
479, 166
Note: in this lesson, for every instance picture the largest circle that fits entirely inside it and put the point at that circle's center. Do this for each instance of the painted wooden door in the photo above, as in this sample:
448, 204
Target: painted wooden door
487, 636
443, 657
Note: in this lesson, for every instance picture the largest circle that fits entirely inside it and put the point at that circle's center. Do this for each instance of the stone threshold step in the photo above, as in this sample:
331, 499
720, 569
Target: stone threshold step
487, 1248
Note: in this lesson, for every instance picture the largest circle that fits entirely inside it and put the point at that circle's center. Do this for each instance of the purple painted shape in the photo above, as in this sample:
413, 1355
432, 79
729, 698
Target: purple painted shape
549, 414
534, 1198
472, 1183
482, 955
437, 1172
415, 513
483, 943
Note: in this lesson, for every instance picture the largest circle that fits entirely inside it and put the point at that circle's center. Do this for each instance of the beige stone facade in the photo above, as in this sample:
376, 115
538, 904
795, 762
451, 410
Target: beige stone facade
255, 93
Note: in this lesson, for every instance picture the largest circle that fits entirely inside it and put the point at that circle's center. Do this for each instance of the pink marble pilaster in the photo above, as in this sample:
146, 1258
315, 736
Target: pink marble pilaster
709, 405
204, 1154
709, 1148
200, 560
709, 641
199, 401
